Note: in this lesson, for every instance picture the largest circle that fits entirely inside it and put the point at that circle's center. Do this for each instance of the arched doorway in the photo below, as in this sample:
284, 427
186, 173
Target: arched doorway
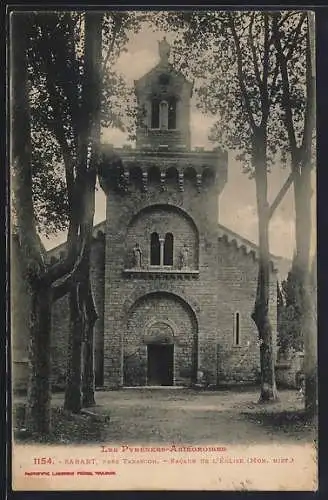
160, 364
160, 341
160, 354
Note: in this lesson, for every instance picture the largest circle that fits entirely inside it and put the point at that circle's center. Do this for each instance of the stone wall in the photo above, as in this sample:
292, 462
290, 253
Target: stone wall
237, 282
157, 138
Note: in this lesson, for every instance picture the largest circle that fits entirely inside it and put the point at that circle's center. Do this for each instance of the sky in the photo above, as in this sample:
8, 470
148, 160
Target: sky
237, 207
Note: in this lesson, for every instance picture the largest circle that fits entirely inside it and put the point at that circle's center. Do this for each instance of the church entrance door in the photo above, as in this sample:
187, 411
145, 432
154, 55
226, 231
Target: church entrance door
160, 364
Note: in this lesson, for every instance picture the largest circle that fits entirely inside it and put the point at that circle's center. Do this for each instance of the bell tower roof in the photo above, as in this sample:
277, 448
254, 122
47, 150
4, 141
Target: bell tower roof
164, 49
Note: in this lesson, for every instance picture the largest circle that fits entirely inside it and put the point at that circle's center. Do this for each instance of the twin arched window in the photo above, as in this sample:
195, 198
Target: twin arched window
161, 250
163, 114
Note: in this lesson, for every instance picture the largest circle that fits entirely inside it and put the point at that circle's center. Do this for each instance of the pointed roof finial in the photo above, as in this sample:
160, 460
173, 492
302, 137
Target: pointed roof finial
164, 50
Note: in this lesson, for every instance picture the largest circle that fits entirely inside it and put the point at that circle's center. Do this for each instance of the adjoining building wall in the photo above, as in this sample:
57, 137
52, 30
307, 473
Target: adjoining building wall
238, 358
237, 285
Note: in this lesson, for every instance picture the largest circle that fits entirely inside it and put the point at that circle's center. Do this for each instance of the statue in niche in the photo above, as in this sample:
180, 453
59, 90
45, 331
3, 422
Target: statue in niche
184, 254
137, 256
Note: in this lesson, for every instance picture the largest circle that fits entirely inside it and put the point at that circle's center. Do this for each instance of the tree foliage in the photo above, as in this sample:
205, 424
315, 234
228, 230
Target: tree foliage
240, 79
56, 65
214, 53
49, 187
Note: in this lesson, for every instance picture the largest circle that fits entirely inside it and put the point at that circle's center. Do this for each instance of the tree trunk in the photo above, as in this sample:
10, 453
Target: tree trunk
311, 378
73, 394
261, 308
304, 216
38, 409
94, 69
303, 224
88, 382
301, 169
82, 322
38, 412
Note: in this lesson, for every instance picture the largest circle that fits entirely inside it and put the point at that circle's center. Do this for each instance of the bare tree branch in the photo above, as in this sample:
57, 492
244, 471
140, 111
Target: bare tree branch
285, 84
281, 194
309, 114
241, 77
253, 51
116, 29
62, 285
296, 39
274, 85
264, 84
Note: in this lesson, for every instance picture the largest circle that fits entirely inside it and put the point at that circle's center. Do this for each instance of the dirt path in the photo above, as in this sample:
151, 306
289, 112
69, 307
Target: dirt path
188, 417
185, 416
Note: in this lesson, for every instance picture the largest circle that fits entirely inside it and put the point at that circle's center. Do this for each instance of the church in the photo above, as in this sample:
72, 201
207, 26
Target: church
174, 289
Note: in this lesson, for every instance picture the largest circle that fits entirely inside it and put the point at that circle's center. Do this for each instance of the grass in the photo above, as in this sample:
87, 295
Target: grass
288, 420
296, 422
66, 427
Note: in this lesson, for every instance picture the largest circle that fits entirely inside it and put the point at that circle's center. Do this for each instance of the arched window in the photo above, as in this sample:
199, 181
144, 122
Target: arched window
163, 115
155, 113
154, 250
172, 114
168, 250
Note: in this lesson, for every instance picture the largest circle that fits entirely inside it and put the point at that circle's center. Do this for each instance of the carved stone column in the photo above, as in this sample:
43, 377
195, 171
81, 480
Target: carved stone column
161, 251
181, 181
145, 181
163, 178
199, 182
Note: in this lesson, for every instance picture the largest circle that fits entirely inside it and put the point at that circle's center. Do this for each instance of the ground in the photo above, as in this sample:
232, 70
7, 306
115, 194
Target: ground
183, 416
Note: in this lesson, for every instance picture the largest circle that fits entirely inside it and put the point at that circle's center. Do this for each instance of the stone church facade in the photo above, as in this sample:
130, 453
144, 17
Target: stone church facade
174, 289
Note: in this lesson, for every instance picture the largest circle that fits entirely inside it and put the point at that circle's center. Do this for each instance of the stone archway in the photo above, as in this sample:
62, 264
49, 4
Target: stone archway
160, 342
162, 221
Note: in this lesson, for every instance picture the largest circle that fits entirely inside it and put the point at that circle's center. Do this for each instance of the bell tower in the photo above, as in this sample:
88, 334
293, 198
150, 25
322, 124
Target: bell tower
161, 273
163, 97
